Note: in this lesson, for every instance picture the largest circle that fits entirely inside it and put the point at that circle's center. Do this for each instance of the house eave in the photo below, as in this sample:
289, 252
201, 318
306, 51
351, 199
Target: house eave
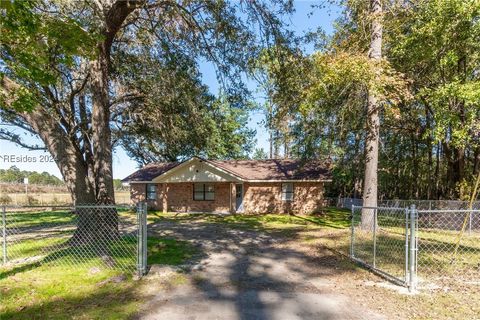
243, 180
290, 180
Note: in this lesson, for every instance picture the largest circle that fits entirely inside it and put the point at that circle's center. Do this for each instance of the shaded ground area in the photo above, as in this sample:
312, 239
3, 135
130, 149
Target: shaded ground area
282, 267
248, 274
223, 267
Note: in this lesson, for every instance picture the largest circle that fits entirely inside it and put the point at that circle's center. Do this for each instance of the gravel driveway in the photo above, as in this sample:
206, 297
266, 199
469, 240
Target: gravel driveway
244, 274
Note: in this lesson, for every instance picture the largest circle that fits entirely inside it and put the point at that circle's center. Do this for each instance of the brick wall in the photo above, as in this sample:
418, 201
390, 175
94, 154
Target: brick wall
138, 193
267, 198
179, 197
258, 198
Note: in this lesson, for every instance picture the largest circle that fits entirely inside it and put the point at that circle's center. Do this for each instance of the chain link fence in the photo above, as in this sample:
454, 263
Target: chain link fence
88, 235
448, 243
380, 240
417, 247
347, 203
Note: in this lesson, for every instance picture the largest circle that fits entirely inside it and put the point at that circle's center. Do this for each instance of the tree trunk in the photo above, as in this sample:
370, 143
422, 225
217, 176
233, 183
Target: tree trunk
101, 135
373, 123
66, 153
437, 171
476, 161
101, 224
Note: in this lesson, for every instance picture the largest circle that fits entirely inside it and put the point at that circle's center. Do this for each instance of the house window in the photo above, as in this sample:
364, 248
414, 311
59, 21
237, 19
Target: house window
151, 192
203, 191
287, 191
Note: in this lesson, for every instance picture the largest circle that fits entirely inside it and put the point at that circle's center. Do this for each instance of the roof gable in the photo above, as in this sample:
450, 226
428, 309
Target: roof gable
195, 170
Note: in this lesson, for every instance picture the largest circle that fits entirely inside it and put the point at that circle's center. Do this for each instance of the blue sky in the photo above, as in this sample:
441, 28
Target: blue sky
300, 22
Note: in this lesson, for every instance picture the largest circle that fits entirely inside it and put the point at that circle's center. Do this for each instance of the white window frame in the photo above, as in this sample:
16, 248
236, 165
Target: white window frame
288, 195
149, 193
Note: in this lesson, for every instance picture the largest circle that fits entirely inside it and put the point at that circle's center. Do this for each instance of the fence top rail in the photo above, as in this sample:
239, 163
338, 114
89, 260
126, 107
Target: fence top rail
448, 210
95, 206
39, 206
380, 208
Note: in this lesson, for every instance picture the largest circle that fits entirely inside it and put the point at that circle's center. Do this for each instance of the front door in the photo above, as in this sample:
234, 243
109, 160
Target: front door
239, 197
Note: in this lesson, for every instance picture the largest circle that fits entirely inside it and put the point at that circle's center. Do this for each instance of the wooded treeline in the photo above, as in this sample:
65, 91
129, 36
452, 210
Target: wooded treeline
429, 92
15, 175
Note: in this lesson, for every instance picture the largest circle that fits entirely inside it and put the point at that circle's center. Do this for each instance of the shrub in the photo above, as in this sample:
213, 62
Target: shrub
31, 200
55, 200
5, 199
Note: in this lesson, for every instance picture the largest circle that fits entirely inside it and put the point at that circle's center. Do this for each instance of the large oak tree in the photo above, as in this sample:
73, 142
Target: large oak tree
68, 77
72, 93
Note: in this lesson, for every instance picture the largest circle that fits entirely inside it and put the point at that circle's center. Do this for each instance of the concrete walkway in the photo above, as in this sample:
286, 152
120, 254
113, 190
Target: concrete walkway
244, 274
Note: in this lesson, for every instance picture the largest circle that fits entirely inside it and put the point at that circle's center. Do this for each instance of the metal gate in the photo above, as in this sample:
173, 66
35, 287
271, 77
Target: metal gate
406, 244
384, 239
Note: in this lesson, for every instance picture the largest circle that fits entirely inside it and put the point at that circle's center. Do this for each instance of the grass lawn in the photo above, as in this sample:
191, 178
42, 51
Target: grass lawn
30, 219
59, 291
451, 300
332, 229
331, 218
89, 291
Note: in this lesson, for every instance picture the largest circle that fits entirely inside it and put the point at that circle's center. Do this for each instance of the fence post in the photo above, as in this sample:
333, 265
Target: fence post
470, 214
406, 245
4, 234
352, 230
142, 238
375, 212
413, 234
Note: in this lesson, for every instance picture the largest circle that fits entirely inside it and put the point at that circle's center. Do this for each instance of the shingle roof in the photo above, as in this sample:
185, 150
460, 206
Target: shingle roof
275, 169
271, 169
151, 171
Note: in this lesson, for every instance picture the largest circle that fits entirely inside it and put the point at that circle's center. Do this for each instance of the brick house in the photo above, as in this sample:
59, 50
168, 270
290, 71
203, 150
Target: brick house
232, 186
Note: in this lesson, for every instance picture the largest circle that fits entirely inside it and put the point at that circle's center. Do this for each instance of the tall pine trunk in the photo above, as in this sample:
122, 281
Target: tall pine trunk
370, 188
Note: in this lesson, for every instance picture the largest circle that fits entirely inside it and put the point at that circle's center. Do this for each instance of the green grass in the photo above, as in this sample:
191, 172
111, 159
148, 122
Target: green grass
28, 219
60, 290
332, 228
331, 218
435, 257
44, 218
32, 247
169, 251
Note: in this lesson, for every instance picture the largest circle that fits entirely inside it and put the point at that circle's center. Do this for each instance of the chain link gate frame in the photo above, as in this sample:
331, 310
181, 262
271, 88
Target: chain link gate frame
142, 244
386, 242
57, 235
440, 246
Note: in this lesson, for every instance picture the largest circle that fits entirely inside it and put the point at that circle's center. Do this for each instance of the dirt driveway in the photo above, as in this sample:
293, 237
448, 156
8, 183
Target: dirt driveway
245, 274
